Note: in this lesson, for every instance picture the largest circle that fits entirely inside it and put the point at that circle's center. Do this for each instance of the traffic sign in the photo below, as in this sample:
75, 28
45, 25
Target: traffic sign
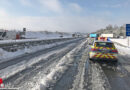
127, 25
93, 35
127, 29
127, 33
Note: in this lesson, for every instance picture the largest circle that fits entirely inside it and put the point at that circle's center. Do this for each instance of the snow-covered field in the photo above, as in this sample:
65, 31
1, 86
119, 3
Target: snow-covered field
36, 36
46, 35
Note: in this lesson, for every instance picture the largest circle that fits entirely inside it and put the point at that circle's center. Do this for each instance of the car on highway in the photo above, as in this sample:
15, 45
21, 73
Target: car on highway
103, 50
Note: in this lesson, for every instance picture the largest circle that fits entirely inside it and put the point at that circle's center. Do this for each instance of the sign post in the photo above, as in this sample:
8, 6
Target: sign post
128, 32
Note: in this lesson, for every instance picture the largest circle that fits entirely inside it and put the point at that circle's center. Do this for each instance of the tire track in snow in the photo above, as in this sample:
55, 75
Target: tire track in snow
67, 79
79, 80
95, 77
60, 69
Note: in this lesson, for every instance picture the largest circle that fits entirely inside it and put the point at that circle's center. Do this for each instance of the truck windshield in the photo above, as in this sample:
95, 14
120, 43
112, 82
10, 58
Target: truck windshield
4, 34
104, 44
1, 33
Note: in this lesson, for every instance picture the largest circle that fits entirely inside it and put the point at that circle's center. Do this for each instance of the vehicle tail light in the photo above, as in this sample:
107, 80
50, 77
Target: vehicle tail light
114, 51
1, 83
1, 80
93, 49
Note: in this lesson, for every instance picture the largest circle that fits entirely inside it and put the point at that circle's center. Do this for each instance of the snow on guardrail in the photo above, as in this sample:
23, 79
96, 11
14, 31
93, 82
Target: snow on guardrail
13, 45
28, 40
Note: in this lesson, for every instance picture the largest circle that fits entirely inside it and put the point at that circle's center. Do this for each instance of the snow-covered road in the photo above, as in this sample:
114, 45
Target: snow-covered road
66, 67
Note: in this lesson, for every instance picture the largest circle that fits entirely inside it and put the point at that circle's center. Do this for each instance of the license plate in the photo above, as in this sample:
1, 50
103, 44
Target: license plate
105, 51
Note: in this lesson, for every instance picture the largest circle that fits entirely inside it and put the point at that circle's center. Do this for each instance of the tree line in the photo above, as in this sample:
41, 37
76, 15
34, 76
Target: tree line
113, 29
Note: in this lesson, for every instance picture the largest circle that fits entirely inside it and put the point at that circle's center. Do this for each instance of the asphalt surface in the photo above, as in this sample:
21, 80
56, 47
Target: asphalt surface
118, 76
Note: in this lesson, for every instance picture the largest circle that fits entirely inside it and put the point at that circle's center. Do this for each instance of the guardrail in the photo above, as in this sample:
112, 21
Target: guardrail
13, 45
12, 42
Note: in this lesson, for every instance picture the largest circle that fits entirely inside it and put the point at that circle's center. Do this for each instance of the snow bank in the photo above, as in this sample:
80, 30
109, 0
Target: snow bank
121, 41
123, 50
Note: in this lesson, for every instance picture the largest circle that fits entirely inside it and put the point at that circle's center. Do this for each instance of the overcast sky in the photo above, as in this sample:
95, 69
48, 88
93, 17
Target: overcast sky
63, 15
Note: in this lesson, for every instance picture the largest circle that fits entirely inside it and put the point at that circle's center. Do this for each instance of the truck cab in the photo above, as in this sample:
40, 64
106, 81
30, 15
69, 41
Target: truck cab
6, 35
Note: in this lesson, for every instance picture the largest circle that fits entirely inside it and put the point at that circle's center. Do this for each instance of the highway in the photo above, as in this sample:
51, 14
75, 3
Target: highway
65, 67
